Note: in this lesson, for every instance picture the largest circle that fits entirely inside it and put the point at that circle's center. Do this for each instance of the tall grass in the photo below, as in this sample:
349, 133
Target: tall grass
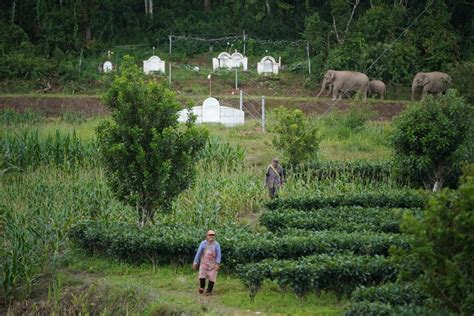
29, 149
37, 208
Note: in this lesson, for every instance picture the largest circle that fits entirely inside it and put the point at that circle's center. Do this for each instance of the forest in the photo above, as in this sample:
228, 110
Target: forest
66, 40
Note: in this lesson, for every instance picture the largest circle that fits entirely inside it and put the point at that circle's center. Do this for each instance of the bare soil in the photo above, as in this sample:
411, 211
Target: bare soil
91, 106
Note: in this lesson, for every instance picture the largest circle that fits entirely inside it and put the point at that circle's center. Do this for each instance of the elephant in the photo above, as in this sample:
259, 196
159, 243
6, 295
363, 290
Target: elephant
341, 82
432, 82
377, 87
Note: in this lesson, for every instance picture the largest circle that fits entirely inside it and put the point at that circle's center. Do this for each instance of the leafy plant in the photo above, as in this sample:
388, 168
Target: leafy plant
430, 137
150, 158
295, 135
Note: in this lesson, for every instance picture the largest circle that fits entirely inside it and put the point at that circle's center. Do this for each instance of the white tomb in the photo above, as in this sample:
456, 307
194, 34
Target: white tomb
212, 112
268, 65
153, 64
226, 60
107, 66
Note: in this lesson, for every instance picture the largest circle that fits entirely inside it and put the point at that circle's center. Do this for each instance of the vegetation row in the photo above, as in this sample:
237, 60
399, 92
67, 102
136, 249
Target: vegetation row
392, 198
346, 218
178, 243
340, 273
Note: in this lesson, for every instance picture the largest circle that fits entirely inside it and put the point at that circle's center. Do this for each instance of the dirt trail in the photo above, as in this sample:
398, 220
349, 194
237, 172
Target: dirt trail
92, 106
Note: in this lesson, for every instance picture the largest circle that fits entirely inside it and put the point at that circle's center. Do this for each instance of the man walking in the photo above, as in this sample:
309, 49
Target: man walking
274, 178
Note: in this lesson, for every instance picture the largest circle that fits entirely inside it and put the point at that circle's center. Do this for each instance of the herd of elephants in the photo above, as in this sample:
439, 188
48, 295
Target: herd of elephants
340, 83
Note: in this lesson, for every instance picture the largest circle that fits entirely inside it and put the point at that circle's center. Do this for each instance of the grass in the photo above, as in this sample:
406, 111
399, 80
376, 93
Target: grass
175, 288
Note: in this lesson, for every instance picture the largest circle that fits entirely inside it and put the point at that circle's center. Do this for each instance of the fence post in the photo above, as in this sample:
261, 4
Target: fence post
169, 67
263, 113
241, 103
309, 60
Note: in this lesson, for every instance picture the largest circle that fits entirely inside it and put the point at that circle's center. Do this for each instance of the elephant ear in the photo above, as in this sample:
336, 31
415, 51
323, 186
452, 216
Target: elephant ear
332, 74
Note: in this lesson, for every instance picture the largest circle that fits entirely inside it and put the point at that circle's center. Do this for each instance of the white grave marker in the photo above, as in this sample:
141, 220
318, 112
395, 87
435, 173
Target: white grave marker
268, 65
153, 64
212, 112
107, 66
226, 60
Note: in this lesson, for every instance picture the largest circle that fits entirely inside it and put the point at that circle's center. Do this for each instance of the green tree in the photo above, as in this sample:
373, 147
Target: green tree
430, 139
149, 157
295, 135
443, 246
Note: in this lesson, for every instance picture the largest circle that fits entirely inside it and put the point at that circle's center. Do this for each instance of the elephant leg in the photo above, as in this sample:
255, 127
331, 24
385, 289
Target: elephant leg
335, 92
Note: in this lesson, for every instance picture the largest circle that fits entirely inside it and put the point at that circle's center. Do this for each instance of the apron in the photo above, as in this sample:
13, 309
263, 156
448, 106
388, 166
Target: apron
207, 268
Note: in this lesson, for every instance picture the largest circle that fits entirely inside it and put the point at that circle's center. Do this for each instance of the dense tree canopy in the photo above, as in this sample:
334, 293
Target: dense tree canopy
341, 34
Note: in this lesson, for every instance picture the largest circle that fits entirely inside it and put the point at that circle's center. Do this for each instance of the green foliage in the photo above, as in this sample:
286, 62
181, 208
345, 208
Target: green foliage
339, 273
222, 154
37, 208
463, 79
348, 219
443, 246
429, 139
394, 198
390, 293
149, 157
348, 123
295, 135
370, 170
28, 149
381, 309
170, 242
10, 117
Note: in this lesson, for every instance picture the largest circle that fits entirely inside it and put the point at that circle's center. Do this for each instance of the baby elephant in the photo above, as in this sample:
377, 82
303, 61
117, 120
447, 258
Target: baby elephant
377, 87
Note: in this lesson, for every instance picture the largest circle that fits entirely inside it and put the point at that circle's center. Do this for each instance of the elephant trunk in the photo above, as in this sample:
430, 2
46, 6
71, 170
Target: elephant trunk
323, 87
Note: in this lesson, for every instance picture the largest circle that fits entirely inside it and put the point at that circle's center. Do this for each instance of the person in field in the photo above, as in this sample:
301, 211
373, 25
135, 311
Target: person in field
274, 178
208, 257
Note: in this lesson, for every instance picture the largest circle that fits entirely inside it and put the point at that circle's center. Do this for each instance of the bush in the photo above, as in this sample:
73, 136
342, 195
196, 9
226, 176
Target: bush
463, 79
390, 293
371, 170
178, 243
443, 247
339, 273
348, 219
295, 135
430, 137
399, 198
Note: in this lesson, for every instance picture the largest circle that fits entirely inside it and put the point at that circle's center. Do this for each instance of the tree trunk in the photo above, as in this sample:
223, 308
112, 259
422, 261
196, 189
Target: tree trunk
207, 6
146, 7
150, 7
268, 7
13, 12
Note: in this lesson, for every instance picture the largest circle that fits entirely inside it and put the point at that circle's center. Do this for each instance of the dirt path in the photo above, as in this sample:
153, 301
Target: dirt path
92, 106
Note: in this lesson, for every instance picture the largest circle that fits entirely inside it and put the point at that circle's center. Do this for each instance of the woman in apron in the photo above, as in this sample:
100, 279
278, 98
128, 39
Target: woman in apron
208, 257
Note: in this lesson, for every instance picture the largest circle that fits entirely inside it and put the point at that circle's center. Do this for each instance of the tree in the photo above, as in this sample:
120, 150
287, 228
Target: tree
149, 158
442, 247
296, 136
431, 137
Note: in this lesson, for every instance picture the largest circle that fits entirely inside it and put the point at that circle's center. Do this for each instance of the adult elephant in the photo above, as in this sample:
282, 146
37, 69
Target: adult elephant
432, 82
343, 82
377, 87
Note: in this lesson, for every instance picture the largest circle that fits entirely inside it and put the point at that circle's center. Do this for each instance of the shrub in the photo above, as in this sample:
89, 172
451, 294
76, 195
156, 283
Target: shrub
429, 139
348, 219
399, 198
295, 135
178, 243
443, 247
390, 293
340, 273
